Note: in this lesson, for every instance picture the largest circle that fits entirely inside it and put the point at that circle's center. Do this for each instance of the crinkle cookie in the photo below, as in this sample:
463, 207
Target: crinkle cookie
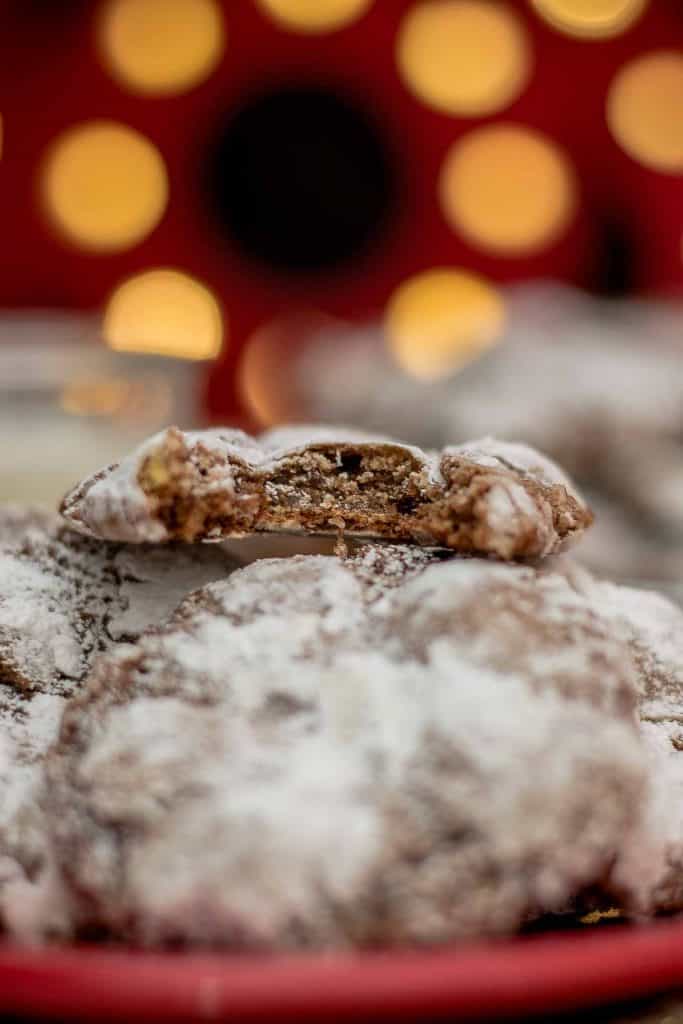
485, 497
390, 749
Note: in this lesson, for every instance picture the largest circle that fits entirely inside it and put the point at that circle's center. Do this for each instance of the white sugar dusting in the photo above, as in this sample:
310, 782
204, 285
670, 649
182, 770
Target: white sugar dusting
37, 632
300, 743
64, 599
27, 729
491, 452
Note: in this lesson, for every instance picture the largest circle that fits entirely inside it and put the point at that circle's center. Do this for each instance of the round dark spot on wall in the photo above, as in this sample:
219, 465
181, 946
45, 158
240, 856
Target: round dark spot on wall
301, 179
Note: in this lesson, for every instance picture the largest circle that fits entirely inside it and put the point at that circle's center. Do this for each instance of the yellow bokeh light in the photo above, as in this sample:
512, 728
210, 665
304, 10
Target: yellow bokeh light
463, 57
441, 319
259, 379
507, 188
95, 397
104, 185
590, 19
164, 312
315, 15
161, 46
645, 110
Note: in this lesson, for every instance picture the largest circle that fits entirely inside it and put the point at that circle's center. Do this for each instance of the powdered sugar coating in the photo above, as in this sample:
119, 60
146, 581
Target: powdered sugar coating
655, 629
28, 725
29, 882
519, 457
63, 600
297, 759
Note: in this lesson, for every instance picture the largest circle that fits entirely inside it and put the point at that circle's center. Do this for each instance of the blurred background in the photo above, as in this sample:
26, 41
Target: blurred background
435, 218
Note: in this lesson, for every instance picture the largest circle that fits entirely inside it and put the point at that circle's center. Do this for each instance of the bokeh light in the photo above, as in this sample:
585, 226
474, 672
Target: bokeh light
315, 15
463, 57
507, 188
645, 110
441, 319
105, 396
104, 185
167, 313
590, 19
265, 374
161, 46
137, 401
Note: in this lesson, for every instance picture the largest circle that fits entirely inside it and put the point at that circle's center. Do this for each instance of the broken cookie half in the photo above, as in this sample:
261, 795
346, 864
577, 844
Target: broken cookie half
484, 497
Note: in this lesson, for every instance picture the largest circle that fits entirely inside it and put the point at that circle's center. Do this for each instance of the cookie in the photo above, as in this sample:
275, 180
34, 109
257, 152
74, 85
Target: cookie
396, 748
64, 598
486, 497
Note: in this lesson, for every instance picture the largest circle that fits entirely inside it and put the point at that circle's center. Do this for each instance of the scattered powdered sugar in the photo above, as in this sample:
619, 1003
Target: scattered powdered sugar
28, 727
40, 637
310, 754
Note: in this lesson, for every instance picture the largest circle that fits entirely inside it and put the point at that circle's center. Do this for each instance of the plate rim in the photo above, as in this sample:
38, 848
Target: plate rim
529, 974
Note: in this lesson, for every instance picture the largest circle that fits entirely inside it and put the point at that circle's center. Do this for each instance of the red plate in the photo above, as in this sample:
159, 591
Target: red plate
519, 976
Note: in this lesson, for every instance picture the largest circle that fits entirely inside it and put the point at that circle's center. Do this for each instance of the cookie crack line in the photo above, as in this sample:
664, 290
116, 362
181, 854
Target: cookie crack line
485, 497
